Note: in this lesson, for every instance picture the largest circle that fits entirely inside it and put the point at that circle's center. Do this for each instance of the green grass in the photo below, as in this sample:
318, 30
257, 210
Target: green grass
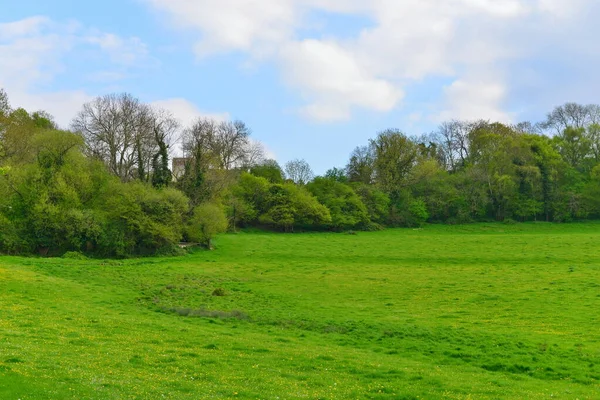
466, 312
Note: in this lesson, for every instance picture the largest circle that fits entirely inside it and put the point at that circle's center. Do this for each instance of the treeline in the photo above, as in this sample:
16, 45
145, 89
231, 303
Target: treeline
107, 187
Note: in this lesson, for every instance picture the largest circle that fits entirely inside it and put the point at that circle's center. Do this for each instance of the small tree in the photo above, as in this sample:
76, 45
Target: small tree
207, 221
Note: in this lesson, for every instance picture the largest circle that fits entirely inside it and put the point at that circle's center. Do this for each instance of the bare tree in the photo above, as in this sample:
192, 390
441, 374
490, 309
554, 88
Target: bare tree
527, 127
198, 141
224, 145
116, 130
230, 144
254, 154
454, 139
571, 115
299, 171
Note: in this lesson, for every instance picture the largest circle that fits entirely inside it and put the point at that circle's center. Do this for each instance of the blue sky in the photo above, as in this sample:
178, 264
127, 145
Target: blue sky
312, 78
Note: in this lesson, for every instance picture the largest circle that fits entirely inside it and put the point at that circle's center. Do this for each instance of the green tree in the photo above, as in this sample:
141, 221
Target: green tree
376, 201
337, 174
207, 221
345, 206
574, 146
268, 169
395, 155
361, 166
289, 206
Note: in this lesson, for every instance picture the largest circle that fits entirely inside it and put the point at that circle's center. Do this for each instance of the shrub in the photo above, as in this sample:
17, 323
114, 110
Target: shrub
207, 221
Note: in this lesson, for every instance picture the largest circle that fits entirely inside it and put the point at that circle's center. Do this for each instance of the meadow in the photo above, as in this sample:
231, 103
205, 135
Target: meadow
484, 311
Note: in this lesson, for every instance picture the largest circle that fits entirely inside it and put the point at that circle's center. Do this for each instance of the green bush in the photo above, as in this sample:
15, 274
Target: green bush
207, 221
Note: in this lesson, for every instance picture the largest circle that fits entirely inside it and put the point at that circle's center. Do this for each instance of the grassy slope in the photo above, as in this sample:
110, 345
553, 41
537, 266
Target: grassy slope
481, 312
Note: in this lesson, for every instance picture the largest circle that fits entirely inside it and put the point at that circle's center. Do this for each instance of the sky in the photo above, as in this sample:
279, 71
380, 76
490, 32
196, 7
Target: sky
313, 79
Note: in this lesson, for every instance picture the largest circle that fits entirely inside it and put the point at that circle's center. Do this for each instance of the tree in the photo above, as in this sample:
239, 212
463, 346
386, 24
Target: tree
395, 156
207, 221
121, 131
593, 136
268, 169
376, 201
17, 128
361, 166
345, 206
574, 146
164, 127
288, 206
336, 174
571, 115
230, 144
298, 171
4, 103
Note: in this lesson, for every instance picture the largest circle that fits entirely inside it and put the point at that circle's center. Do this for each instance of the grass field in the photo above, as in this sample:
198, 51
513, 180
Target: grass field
465, 312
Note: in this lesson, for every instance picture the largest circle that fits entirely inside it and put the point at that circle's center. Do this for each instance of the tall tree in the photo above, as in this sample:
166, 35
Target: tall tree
117, 129
395, 155
164, 127
361, 166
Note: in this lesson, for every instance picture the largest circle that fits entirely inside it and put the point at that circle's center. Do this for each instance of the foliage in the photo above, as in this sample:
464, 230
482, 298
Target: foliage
289, 206
67, 202
345, 206
270, 170
207, 221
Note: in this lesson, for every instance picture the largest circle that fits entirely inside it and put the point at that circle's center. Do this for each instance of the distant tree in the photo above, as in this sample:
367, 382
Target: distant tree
361, 166
571, 115
117, 130
268, 169
164, 127
593, 136
17, 129
453, 139
4, 103
395, 156
336, 174
298, 171
198, 159
574, 146
230, 144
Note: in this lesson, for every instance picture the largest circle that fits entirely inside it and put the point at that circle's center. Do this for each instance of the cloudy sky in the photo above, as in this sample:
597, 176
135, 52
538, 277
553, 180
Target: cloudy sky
312, 78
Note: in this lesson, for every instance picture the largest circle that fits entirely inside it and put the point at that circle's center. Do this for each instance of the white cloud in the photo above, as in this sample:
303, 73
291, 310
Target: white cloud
186, 112
233, 24
407, 41
333, 78
475, 99
27, 26
126, 51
